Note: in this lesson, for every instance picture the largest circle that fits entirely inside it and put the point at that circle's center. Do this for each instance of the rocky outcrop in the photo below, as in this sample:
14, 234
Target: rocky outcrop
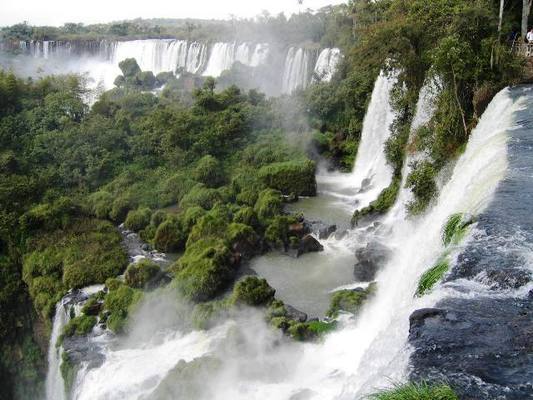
370, 259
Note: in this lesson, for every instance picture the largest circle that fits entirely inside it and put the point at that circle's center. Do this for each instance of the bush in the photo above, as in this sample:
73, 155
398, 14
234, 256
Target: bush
417, 391
268, 205
456, 228
421, 181
138, 219
209, 172
246, 216
206, 268
253, 291
140, 274
432, 276
121, 206
277, 233
192, 216
201, 196
382, 204
119, 302
158, 218
101, 204
146, 80
290, 177
79, 326
349, 300
170, 236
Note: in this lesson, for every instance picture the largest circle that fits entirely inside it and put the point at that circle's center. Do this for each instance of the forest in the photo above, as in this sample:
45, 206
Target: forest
207, 173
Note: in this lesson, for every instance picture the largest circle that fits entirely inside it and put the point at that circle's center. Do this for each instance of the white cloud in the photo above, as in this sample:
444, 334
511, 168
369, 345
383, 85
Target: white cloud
57, 12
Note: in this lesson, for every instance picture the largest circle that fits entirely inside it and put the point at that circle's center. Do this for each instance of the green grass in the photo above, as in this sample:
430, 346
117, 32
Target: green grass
432, 276
417, 391
455, 228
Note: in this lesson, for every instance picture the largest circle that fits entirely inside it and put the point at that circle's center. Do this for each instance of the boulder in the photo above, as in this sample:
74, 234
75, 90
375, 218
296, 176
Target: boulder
309, 244
326, 231
369, 259
295, 314
299, 229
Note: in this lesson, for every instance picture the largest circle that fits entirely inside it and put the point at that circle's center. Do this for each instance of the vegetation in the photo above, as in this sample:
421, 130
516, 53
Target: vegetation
349, 300
142, 273
432, 276
253, 291
417, 391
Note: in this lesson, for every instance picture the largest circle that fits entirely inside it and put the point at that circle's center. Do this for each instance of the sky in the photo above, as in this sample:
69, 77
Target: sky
57, 12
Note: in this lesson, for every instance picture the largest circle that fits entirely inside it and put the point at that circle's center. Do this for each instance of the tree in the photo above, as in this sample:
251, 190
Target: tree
526, 9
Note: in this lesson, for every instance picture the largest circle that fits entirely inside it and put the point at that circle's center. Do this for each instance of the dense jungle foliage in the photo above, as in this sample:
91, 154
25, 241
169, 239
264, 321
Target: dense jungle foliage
205, 174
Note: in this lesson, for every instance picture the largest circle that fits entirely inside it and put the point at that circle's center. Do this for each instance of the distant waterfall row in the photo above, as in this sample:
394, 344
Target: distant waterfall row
296, 67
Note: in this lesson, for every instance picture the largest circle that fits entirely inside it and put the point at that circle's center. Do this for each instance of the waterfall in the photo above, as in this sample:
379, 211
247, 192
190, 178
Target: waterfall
55, 388
221, 59
326, 65
296, 70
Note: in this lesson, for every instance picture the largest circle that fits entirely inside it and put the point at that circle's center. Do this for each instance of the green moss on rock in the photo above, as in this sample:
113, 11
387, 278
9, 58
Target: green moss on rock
139, 275
349, 300
253, 291
120, 303
432, 276
417, 391
138, 219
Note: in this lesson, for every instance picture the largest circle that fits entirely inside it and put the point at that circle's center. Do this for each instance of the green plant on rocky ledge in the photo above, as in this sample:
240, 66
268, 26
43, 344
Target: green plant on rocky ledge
432, 276
416, 391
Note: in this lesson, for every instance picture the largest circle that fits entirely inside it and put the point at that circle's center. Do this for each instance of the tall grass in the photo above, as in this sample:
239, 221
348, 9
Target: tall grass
417, 391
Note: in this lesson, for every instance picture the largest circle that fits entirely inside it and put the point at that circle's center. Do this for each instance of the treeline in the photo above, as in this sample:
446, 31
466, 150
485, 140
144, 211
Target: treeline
324, 28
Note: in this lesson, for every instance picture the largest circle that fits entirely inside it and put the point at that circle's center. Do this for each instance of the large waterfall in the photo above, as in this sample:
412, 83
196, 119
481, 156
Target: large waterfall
366, 352
296, 67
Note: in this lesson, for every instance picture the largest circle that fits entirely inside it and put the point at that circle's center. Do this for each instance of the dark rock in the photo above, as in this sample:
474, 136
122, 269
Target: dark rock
326, 231
309, 244
298, 230
507, 279
145, 247
418, 318
369, 260
341, 234
291, 198
93, 308
295, 314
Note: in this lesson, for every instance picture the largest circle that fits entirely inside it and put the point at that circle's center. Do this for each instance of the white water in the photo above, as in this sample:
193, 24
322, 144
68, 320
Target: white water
326, 65
55, 388
296, 70
371, 173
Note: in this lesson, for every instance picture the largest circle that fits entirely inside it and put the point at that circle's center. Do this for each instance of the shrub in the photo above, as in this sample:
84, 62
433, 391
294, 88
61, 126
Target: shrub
205, 270
201, 196
417, 391
146, 80
432, 276
421, 181
382, 204
214, 223
79, 326
455, 228
158, 218
138, 219
349, 300
209, 172
101, 204
290, 177
192, 216
241, 233
119, 303
277, 233
140, 274
246, 216
170, 236
121, 206
253, 291
268, 205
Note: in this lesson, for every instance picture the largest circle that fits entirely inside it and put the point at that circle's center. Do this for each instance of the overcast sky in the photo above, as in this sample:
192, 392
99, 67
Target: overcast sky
57, 12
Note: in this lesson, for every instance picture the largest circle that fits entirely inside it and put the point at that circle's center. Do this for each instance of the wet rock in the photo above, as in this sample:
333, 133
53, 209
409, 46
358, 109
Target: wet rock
507, 279
369, 260
291, 198
299, 229
295, 314
482, 347
326, 231
339, 235
309, 244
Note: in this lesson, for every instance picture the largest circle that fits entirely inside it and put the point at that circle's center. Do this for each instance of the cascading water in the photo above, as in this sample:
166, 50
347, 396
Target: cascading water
55, 388
371, 173
326, 65
296, 70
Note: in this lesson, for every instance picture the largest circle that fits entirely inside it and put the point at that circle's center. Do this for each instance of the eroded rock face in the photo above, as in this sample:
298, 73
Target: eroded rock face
482, 347
326, 231
370, 259
295, 314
